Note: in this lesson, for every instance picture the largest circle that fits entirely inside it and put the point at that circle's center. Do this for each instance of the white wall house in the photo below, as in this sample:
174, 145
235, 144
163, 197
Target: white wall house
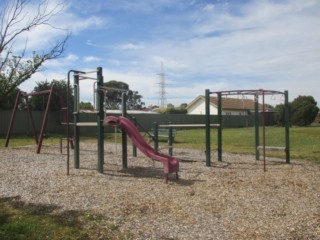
230, 106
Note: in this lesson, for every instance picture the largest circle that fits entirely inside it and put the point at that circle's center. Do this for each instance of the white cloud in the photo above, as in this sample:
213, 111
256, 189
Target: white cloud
91, 59
209, 7
76, 24
270, 42
62, 63
129, 46
29, 85
43, 36
140, 6
258, 44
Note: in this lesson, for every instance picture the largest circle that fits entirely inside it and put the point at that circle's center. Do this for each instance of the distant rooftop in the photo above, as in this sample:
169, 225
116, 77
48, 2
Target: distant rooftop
235, 103
130, 112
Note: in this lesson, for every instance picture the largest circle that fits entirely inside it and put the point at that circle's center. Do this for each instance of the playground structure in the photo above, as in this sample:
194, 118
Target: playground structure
258, 147
208, 125
171, 165
25, 96
98, 110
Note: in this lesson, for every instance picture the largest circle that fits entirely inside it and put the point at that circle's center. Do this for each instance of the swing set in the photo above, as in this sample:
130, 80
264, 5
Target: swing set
25, 96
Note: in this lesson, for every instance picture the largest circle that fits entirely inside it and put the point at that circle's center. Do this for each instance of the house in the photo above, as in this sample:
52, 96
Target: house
230, 106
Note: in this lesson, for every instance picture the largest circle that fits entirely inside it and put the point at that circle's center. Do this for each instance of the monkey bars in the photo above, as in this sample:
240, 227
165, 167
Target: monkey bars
256, 94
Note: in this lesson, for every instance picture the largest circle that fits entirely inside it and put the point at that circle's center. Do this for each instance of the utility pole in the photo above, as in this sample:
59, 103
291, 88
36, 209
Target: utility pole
162, 92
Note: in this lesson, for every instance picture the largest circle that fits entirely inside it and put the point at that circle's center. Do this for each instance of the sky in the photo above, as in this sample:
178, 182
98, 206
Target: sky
202, 44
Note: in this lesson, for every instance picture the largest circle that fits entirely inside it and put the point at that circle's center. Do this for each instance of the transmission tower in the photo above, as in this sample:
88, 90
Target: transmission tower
162, 92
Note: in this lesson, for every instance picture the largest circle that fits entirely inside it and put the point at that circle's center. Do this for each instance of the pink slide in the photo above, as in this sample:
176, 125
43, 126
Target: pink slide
170, 164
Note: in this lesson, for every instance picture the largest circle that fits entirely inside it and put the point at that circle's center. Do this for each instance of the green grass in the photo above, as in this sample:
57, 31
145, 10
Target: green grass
304, 141
23, 140
29, 221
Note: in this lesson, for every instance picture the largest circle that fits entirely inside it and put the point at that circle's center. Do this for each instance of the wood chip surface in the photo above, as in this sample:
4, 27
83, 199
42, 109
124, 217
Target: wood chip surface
232, 199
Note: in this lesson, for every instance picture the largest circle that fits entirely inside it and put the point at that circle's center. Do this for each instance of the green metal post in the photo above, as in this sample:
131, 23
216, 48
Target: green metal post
134, 148
100, 116
208, 137
170, 141
220, 127
124, 104
155, 136
256, 125
123, 134
75, 121
287, 126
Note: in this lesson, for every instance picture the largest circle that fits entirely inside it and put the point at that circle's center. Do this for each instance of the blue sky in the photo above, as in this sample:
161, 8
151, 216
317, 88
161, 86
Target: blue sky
203, 44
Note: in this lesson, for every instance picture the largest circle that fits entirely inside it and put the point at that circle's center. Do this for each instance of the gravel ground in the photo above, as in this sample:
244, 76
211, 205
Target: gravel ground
233, 199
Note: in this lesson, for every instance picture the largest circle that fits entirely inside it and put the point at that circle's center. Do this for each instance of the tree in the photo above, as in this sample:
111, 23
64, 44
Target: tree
7, 103
113, 93
85, 105
114, 90
15, 23
134, 100
59, 98
183, 105
279, 114
171, 109
304, 110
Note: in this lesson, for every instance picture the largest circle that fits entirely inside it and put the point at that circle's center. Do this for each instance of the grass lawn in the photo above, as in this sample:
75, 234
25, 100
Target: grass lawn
30, 221
304, 141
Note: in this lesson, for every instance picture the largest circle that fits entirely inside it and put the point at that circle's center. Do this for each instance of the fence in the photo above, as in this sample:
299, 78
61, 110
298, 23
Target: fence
22, 124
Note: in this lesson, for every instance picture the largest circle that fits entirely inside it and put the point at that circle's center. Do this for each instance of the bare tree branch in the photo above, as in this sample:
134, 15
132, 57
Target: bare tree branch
14, 15
15, 20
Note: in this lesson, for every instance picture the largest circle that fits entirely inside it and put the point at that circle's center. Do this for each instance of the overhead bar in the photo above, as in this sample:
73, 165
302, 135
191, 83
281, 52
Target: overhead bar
114, 89
187, 125
90, 78
78, 73
35, 93
248, 92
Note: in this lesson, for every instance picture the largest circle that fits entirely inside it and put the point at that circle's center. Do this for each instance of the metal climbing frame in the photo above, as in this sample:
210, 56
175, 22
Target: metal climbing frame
256, 94
99, 100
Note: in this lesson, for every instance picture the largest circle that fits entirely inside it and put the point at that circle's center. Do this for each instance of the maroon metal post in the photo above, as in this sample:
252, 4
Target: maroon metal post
31, 120
13, 115
45, 118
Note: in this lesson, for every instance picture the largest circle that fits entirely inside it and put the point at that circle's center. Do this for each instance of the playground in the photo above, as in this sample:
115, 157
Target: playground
213, 195
232, 199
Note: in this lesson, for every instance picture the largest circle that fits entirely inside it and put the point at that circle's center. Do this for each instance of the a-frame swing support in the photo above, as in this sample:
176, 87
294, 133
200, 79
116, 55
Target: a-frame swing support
38, 138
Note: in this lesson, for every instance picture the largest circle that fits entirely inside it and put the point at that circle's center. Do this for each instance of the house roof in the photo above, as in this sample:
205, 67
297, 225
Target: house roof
235, 103
130, 112
230, 103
